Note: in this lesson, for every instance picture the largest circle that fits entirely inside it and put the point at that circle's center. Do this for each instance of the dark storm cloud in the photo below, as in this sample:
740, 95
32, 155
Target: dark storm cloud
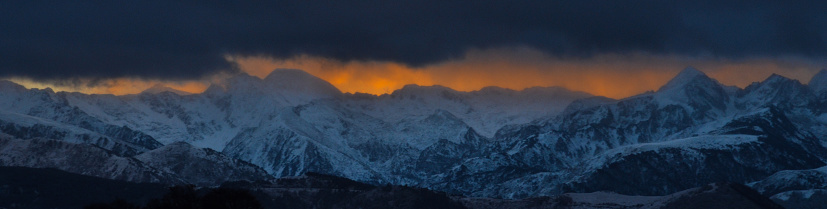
165, 39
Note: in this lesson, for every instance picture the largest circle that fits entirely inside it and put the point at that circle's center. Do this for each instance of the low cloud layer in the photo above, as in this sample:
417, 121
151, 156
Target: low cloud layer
170, 40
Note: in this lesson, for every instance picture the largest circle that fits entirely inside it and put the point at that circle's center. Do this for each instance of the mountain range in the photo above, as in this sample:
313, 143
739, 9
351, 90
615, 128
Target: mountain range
494, 142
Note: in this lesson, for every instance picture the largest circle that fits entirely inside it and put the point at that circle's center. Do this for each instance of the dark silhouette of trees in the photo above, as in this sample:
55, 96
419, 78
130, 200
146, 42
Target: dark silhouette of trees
117, 204
225, 198
183, 197
187, 197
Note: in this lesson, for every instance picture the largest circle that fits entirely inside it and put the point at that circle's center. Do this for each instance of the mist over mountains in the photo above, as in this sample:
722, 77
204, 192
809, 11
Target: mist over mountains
494, 142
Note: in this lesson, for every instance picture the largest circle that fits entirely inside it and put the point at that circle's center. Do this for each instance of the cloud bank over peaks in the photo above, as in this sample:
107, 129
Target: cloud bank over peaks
189, 40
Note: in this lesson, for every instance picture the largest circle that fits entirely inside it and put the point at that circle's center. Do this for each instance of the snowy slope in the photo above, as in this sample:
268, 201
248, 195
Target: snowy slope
159, 88
363, 138
200, 166
177, 163
24, 126
46, 105
486, 110
493, 142
788, 180
78, 158
819, 82
674, 130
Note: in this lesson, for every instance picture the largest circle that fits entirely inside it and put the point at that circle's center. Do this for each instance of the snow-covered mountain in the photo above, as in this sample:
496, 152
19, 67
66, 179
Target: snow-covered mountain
819, 82
86, 159
177, 163
159, 88
493, 142
691, 130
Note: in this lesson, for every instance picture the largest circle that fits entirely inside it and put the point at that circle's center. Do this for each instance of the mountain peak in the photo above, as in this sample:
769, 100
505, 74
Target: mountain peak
414, 89
695, 89
295, 79
685, 76
774, 81
775, 78
819, 81
297, 86
494, 90
240, 81
7, 84
159, 88
281, 74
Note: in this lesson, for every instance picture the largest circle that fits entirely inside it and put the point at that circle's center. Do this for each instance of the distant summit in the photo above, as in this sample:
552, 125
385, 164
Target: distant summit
686, 76
159, 88
819, 81
6, 85
283, 86
299, 80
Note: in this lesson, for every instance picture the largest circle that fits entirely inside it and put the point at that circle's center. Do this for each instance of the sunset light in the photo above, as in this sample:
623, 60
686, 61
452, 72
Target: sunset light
614, 76
157, 104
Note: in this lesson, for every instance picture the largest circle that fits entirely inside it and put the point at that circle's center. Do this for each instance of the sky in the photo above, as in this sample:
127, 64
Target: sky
609, 48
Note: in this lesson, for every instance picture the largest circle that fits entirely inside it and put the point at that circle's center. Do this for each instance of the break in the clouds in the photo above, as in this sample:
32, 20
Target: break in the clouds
190, 39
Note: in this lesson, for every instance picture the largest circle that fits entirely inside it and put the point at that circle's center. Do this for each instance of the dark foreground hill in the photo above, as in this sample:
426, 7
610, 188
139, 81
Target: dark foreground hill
50, 188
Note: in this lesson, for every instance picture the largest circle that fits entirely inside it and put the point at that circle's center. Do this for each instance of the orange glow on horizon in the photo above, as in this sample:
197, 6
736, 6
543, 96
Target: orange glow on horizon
120, 86
614, 76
